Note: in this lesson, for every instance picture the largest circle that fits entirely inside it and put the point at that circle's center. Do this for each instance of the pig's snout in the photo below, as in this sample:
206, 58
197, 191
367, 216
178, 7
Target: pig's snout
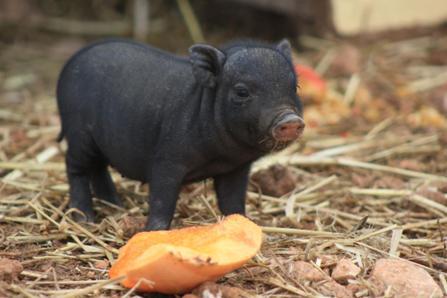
288, 128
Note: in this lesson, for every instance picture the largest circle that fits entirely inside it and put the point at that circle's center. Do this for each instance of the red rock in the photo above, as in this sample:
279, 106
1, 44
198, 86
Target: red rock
9, 269
354, 288
411, 165
344, 270
362, 180
101, 264
404, 278
390, 182
306, 271
275, 181
333, 289
433, 194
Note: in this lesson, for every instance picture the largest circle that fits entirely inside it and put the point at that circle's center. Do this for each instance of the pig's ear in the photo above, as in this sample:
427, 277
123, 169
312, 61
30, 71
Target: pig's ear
284, 47
207, 62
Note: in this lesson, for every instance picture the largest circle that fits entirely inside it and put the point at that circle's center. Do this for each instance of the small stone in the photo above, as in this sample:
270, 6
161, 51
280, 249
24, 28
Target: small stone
362, 180
433, 194
275, 181
306, 271
404, 279
410, 164
354, 288
332, 289
9, 269
344, 270
101, 264
389, 182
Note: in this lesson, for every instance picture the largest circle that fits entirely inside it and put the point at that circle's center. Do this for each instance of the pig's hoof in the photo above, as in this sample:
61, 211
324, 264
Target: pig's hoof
82, 217
157, 225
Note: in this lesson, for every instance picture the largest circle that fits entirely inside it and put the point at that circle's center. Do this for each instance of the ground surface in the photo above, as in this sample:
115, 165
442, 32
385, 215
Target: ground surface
368, 179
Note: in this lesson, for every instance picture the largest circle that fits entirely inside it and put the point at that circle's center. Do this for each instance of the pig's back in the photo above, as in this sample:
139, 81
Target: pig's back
117, 93
120, 69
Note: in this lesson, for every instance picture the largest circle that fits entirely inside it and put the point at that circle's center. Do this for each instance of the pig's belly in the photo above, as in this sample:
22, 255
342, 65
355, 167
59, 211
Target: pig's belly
132, 171
129, 163
209, 170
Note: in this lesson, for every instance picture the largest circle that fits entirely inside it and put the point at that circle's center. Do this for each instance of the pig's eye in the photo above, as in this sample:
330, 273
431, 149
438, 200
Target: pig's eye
241, 90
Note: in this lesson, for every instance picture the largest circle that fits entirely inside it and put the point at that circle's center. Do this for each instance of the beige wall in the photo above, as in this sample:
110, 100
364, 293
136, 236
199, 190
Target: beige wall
357, 16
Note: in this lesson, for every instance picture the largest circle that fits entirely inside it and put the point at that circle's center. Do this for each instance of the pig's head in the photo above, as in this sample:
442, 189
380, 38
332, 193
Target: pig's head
255, 92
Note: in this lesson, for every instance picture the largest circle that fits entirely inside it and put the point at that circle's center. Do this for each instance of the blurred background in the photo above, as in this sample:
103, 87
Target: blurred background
373, 81
359, 56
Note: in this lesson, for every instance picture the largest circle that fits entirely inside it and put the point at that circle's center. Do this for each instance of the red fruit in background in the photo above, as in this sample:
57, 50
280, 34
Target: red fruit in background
310, 82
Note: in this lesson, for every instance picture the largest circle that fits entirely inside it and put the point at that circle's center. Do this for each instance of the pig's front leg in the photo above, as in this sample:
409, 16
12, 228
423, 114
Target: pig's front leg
231, 189
165, 183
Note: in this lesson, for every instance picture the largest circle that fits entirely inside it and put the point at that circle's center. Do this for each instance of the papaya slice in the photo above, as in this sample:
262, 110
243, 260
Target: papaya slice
176, 261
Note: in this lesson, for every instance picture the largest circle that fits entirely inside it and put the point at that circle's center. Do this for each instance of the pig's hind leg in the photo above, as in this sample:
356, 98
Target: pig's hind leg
80, 194
81, 159
103, 186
